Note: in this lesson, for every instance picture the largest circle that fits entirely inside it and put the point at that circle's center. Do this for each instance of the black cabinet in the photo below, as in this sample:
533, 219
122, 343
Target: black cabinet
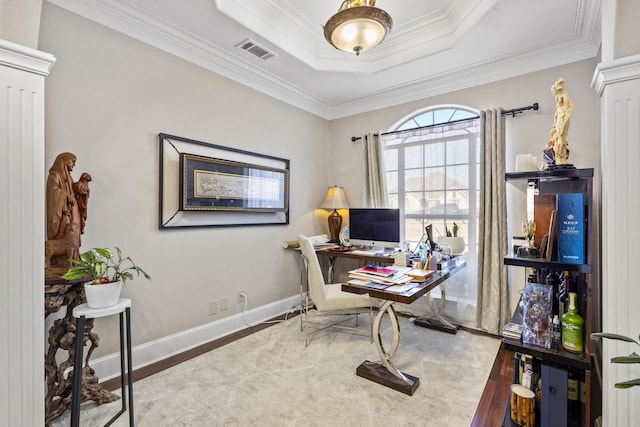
556, 363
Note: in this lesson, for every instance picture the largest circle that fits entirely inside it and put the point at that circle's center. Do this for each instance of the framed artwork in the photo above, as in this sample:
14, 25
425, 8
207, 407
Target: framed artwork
203, 185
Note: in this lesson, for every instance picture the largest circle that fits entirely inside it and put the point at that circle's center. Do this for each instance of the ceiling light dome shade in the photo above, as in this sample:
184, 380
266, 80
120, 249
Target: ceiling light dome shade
356, 28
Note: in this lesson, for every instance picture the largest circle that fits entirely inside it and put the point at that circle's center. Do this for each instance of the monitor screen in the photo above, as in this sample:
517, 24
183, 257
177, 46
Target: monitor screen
376, 228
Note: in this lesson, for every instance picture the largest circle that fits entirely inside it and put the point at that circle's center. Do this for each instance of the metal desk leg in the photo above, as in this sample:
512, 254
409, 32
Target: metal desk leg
439, 322
384, 372
332, 262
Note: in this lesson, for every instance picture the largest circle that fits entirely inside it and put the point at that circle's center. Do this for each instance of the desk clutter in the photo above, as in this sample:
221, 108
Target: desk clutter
391, 278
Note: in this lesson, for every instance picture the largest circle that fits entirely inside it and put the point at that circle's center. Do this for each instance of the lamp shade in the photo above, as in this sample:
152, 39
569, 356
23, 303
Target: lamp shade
336, 199
356, 27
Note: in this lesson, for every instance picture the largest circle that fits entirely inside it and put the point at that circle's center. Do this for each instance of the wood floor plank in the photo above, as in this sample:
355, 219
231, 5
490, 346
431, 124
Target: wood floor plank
493, 402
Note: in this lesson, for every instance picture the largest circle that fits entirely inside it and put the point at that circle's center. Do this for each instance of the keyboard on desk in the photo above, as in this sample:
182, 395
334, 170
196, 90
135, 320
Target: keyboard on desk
364, 252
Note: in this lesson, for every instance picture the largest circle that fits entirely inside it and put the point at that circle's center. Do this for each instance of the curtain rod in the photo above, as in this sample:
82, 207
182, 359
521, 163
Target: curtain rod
511, 112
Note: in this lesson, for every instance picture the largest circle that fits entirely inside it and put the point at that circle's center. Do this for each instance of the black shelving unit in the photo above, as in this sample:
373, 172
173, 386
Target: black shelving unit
539, 263
555, 362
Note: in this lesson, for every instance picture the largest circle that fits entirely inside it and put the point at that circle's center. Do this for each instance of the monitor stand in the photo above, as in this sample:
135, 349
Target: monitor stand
386, 251
374, 251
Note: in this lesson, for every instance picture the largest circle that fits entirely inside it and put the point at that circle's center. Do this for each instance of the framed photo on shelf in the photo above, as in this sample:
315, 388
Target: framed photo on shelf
208, 185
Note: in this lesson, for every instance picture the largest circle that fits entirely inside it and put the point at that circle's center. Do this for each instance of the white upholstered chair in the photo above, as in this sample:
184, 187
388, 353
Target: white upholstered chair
329, 299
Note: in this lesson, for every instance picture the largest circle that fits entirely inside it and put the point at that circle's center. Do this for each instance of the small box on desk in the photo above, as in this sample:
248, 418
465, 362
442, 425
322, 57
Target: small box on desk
571, 228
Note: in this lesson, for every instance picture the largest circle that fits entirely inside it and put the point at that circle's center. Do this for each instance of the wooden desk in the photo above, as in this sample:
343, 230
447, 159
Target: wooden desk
383, 372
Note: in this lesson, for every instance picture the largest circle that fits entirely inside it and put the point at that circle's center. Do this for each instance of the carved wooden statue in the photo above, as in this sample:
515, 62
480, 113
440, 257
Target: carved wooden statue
66, 211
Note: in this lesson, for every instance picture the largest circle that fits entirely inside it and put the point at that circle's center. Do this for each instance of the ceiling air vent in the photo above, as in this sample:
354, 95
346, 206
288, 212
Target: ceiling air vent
256, 50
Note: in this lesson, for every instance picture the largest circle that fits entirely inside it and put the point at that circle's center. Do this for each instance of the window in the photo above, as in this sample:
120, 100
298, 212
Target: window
431, 172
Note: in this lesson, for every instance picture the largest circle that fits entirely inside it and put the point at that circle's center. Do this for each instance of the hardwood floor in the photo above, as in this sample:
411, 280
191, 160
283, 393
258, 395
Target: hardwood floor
493, 403
489, 413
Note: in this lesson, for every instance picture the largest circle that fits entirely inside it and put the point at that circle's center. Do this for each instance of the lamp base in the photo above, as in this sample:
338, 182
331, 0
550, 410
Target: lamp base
335, 225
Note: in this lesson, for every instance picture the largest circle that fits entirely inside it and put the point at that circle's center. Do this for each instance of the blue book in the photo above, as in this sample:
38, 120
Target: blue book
571, 228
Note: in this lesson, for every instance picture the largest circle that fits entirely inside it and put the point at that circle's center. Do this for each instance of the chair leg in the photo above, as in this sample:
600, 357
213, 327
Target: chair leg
302, 303
306, 322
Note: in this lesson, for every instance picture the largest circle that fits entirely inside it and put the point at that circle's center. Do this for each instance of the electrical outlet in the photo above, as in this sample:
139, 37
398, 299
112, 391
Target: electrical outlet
240, 297
224, 304
213, 307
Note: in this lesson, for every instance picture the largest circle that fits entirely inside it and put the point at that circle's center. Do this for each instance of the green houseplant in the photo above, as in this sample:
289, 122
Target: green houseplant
632, 358
455, 230
453, 240
105, 271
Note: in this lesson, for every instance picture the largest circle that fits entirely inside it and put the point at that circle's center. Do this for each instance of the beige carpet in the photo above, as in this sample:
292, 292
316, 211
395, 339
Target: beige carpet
271, 379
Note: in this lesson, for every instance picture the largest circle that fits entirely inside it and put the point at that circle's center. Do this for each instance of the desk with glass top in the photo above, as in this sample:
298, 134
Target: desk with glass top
383, 372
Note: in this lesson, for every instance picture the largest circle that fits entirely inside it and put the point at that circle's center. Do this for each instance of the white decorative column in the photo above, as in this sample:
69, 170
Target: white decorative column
22, 224
617, 82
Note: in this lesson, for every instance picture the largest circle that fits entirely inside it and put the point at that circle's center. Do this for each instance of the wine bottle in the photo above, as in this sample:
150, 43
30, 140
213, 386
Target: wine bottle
572, 327
573, 399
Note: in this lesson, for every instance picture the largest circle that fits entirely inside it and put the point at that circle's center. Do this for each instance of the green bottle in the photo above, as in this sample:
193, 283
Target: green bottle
572, 327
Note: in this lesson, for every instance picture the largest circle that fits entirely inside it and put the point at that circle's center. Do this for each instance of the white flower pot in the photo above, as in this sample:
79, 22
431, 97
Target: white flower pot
101, 296
456, 243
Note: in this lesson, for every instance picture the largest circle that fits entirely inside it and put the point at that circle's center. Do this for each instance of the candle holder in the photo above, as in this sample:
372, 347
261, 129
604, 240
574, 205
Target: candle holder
528, 250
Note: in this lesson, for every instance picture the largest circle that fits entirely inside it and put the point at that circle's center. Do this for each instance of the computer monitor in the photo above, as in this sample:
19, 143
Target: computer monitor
374, 227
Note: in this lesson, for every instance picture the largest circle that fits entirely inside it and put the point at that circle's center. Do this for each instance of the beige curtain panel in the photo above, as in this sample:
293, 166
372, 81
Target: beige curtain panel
493, 290
374, 193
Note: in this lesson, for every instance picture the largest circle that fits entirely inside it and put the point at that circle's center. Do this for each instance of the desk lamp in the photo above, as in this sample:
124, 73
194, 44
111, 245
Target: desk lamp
336, 199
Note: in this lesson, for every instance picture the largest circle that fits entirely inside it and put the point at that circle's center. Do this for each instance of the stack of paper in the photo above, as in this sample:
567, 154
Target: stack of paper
367, 284
383, 275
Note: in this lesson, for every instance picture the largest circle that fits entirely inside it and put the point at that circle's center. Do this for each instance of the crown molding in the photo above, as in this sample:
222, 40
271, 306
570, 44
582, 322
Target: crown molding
135, 22
616, 71
482, 73
150, 29
286, 27
24, 58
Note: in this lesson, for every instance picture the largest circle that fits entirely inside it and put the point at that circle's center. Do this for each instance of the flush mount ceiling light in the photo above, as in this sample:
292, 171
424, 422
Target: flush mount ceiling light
358, 26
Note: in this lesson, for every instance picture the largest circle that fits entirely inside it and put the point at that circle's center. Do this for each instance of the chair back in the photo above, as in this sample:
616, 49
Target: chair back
315, 279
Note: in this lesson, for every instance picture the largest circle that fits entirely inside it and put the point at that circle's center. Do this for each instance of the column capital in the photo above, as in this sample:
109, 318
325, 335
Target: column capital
615, 71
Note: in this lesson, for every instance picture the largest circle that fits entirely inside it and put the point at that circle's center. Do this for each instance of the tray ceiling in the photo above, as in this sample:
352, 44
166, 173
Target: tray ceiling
435, 46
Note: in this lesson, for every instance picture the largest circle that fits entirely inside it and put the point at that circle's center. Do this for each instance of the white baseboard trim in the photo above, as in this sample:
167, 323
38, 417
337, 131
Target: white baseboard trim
108, 367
